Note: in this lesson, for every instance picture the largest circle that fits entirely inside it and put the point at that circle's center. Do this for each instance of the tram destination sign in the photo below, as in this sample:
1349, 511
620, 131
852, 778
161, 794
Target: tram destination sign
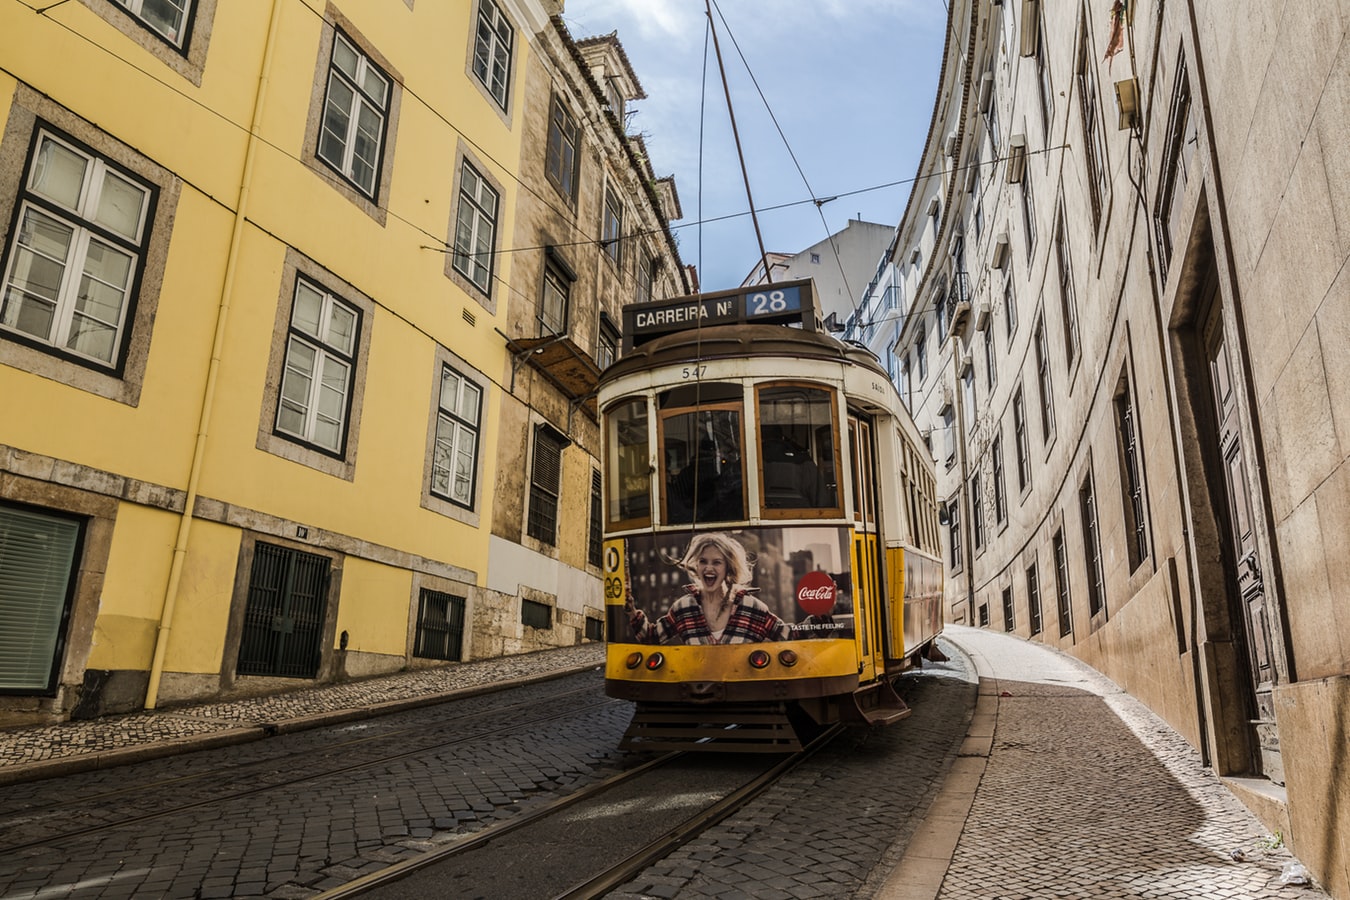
789, 303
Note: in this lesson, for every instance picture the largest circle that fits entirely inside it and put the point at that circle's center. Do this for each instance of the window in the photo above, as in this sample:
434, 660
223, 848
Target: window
799, 457
1092, 548
921, 354
968, 398
991, 123
984, 615
37, 565
954, 532
536, 615
607, 348
1062, 584
492, 50
1008, 622
976, 511
1043, 378
167, 18
1094, 152
646, 274
1176, 168
1033, 599
1028, 213
1046, 93
614, 97
595, 629
630, 487
1010, 309
475, 228
611, 232
354, 113
454, 463
553, 304
596, 538
1131, 478
948, 435
564, 137
1000, 492
545, 485
440, 626
316, 382
990, 359
76, 255
1068, 301
1021, 445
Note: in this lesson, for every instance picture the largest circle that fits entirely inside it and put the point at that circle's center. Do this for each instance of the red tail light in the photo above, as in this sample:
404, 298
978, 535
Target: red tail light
655, 661
759, 659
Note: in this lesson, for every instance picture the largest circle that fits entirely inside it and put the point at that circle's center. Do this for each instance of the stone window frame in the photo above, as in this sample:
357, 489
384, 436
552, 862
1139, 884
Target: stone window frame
501, 106
269, 440
486, 299
29, 113
435, 502
189, 59
374, 206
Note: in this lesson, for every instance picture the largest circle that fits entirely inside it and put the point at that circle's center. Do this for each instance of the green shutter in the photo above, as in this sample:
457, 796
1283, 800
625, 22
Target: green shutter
37, 553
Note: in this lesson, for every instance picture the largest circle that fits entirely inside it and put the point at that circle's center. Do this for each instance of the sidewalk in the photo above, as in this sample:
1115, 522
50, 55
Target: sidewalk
49, 751
1068, 787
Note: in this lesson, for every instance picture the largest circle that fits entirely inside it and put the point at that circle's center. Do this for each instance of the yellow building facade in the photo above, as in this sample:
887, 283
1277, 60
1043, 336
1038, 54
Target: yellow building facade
258, 274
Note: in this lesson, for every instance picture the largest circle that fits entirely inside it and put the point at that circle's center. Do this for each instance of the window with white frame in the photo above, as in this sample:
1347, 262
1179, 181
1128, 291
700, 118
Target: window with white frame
611, 231
170, 19
454, 463
316, 382
553, 302
492, 50
355, 109
76, 253
475, 228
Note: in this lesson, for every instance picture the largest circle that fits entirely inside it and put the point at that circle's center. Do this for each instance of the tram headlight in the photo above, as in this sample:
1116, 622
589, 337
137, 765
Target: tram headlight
759, 659
787, 657
634, 660
656, 661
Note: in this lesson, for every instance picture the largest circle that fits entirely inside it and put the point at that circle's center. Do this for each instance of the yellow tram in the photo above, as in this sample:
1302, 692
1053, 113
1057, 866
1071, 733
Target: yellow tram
771, 553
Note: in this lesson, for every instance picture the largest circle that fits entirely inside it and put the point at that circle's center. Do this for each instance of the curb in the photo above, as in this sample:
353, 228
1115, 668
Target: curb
89, 762
921, 871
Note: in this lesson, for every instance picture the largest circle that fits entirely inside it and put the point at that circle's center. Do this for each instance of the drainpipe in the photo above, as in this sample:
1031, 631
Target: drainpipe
217, 346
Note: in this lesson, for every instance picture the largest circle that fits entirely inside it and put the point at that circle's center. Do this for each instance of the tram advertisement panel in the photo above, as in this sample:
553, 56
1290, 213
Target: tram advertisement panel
730, 587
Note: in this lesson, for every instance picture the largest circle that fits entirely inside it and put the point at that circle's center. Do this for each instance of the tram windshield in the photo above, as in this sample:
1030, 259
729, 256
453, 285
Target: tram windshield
701, 449
797, 445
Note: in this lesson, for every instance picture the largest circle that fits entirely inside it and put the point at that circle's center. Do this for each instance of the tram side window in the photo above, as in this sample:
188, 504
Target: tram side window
798, 449
701, 456
630, 488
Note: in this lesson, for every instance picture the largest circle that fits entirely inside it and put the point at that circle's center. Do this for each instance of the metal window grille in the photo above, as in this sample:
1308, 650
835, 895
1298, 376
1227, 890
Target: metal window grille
545, 480
595, 629
1033, 599
1131, 481
536, 614
1062, 584
596, 540
440, 626
284, 618
1092, 550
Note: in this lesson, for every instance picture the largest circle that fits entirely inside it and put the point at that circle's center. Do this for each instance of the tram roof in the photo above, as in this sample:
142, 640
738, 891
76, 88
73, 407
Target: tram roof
740, 341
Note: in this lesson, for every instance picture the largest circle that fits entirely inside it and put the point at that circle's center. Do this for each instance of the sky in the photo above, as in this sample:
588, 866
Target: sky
850, 82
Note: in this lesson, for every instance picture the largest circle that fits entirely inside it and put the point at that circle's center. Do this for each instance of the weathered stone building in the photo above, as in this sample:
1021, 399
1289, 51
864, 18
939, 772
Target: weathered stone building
1122, 283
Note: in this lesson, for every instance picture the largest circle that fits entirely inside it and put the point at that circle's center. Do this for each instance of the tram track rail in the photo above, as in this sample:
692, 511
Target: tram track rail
10, 819
633, 863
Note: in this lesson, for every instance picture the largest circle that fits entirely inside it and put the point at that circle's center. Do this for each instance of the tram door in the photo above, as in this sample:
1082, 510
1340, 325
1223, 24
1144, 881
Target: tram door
867, 585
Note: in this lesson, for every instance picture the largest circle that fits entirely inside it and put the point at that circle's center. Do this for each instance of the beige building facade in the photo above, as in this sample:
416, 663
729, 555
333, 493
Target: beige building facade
1123, 311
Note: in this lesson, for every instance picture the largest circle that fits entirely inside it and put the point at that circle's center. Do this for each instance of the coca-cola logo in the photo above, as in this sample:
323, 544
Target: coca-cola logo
816, 593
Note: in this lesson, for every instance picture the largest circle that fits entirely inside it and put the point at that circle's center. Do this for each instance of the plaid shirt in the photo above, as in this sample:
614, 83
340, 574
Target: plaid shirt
751, 622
